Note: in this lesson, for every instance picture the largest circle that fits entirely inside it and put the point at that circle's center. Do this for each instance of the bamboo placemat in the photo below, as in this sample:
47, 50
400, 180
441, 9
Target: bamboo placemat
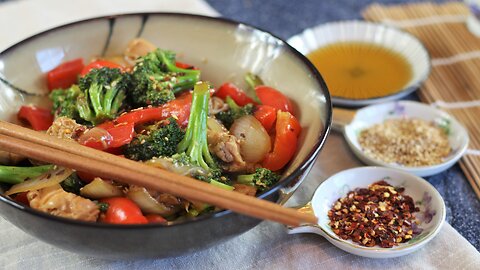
454, 84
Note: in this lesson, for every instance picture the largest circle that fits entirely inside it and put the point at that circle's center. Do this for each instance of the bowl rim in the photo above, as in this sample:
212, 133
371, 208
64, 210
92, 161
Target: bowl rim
407, 246
407, 89
301, 169
423, 170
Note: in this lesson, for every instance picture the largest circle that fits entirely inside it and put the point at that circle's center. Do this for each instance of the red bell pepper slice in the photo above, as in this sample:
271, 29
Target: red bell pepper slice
22, 198
121, 134
64, 75
238, 95
178, 108
287, 129
272, 97
85, 176
37, 118
121, 130
266, 115
154, 218
108, 136
139, 116
122, 211
100, 64
184, 65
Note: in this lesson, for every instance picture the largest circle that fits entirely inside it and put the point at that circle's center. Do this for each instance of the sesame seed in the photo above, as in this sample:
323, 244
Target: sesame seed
408, 142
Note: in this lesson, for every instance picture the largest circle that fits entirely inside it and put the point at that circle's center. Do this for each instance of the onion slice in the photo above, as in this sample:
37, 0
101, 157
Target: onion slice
147, 203
214, 125
45, 180
169, 165
254, 140
98, 189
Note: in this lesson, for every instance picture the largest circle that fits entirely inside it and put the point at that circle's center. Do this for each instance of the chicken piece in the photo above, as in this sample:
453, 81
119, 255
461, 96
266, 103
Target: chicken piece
245, 189
165, 198
66, 128
136, 48
55, 201
216, 105
227, 148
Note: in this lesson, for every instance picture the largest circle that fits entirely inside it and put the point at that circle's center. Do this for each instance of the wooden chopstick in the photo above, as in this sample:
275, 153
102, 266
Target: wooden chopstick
36, 145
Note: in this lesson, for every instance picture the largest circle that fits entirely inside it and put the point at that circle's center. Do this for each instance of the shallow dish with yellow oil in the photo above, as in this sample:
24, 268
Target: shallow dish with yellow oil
365, 63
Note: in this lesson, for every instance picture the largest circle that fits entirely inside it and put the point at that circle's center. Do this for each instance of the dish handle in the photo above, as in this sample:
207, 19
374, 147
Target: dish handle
341, 118
306, 228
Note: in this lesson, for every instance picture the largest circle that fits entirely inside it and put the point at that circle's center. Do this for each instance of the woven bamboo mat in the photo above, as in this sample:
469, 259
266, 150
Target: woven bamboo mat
455, 77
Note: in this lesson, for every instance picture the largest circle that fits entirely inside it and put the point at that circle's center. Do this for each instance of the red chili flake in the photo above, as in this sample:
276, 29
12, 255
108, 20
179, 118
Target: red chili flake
378, 215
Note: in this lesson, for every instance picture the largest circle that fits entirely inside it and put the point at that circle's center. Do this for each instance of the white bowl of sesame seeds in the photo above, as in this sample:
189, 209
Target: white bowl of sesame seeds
407, 135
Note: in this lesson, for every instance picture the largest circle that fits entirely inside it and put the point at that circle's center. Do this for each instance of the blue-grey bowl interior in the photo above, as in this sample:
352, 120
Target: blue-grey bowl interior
224, 50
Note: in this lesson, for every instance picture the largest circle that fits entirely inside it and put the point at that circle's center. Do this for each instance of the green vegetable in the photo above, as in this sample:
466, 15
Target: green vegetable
193, 149
72, 184
161, 140
194, 144
15, 175
253, 81
213, 174
103, 93
65, 102
221, 185
98, 96
262, 179
157, 79
181, 159
103, 207
234, 112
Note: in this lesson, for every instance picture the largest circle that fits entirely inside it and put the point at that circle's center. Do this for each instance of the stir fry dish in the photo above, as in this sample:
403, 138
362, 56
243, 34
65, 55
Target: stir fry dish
146, 106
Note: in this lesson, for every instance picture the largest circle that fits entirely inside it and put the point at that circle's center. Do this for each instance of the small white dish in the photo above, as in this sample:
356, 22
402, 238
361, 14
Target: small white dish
426, 197
375, 114
368, 32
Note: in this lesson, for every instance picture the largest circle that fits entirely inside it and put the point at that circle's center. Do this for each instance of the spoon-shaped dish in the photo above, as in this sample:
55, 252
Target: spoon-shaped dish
352, 122
425, 196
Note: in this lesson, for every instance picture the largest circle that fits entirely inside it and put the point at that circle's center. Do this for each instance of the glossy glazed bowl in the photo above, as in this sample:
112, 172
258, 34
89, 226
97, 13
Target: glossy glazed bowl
224, 50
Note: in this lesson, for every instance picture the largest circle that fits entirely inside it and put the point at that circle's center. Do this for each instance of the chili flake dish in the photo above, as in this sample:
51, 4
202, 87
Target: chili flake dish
425, 203
378, 215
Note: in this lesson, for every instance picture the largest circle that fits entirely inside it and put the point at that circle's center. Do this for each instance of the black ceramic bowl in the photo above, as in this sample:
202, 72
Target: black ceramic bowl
224, 50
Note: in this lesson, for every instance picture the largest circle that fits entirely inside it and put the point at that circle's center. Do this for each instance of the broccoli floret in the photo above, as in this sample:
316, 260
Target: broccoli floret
98, 96
214, 174
14, 175
262, 179
234, 112
157, 79
65, 102
181, 159
72, 184
160, 140
194, 144
102, 94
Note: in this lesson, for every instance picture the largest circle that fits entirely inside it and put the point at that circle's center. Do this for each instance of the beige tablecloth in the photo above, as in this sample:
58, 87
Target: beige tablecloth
267, 246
